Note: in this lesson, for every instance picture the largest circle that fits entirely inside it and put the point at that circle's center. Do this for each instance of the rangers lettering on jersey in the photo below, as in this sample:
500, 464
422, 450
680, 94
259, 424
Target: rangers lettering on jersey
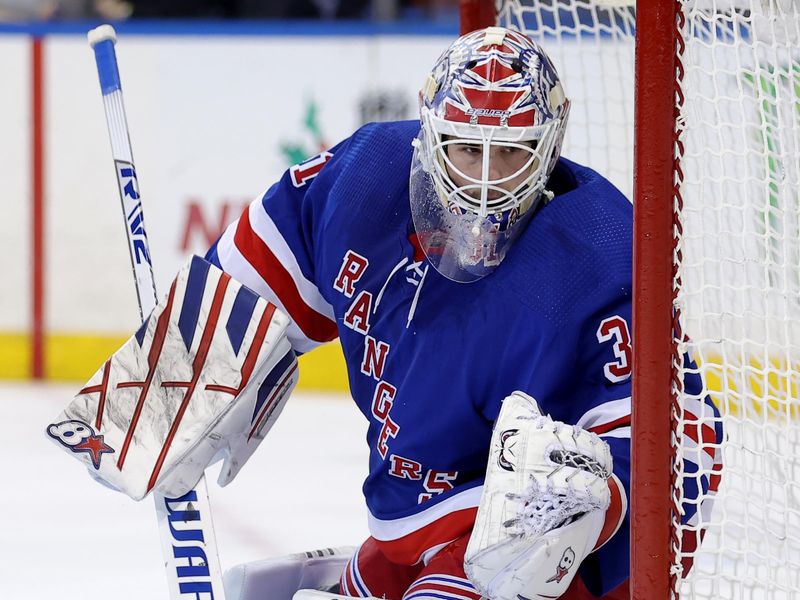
357, 316
375, 352
405, 468
353, 267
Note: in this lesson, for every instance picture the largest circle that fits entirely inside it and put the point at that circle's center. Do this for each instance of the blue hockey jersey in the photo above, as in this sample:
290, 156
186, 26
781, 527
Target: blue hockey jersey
430, 360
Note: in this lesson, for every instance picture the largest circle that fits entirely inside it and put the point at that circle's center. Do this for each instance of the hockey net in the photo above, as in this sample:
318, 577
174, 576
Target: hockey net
737, 287
736, 268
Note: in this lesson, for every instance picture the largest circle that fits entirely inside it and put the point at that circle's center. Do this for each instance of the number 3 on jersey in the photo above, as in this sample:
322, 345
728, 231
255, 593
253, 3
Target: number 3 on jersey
615, 328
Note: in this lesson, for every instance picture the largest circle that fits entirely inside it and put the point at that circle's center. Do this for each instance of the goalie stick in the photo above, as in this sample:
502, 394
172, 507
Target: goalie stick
187, 534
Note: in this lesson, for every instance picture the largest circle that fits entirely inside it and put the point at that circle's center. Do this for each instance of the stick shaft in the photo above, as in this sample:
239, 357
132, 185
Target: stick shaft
187, 532
125, 170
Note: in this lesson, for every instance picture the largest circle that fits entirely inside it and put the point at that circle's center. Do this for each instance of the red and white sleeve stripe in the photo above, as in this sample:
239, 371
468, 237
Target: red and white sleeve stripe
611, 420
615, 513
698, 439
255, 253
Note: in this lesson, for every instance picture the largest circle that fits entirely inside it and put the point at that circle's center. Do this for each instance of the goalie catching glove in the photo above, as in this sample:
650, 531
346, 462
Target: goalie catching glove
543, 504
207, 374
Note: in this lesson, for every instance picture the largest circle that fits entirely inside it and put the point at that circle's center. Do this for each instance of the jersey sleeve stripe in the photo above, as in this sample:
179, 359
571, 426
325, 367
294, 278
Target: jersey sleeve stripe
315, 326
266, 229
615, 514
619, 433
702, 457
607, 417
607, 427
699, 432
344, 581
716, 477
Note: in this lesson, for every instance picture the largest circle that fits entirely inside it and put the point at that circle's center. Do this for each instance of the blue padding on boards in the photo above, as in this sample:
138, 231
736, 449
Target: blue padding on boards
107, 66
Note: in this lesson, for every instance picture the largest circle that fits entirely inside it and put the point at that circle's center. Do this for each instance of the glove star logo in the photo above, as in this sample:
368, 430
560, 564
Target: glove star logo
564, 565
80, 437
507, 443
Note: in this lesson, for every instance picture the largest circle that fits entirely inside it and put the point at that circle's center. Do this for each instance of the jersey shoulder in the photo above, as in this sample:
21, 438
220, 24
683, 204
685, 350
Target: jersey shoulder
594, 213
368, 173
577, 250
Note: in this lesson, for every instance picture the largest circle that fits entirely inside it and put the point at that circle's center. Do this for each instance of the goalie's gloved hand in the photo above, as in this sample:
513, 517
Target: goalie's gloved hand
204, 378
543, 504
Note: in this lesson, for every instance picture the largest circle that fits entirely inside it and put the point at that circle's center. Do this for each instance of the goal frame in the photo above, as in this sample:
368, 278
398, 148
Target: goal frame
656, 90
656, 190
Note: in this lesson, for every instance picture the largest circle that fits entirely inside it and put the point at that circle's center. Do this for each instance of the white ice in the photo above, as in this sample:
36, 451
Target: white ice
65, 537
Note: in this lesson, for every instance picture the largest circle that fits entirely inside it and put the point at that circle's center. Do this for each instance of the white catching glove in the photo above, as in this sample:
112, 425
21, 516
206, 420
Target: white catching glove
543, 504
205, 376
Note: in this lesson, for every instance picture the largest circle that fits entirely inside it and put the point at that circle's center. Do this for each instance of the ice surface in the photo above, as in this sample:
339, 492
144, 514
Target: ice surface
62, 535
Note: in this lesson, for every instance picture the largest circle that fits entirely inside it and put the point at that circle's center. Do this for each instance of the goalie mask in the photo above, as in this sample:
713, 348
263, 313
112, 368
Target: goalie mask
492, 116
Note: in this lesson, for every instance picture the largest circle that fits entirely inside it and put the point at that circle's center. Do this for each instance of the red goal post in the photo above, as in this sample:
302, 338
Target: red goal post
708, 94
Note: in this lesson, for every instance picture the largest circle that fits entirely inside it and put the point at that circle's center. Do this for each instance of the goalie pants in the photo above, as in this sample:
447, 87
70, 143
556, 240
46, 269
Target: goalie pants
369, 573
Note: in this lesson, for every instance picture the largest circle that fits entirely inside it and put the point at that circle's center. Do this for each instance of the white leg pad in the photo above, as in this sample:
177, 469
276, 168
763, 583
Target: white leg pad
318, 595
279, 578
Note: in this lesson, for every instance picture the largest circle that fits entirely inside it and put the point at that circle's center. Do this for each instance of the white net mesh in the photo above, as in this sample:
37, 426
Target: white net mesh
738, 288
591, 44
738, 260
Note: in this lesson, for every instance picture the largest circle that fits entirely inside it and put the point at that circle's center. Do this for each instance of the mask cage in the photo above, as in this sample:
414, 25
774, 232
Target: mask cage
439, 134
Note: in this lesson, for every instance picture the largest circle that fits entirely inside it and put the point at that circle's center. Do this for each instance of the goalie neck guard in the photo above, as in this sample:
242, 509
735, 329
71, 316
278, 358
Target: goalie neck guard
493, 114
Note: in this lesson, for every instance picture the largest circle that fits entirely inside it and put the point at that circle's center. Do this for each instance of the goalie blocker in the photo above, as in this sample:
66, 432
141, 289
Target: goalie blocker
205, 377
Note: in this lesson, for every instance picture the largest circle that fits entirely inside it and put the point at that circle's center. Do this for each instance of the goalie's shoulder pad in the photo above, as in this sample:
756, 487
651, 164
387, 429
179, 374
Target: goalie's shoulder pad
542, 507
207, 372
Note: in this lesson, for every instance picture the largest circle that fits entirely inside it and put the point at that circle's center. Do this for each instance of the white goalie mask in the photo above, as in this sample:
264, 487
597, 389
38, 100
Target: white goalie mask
492, 116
